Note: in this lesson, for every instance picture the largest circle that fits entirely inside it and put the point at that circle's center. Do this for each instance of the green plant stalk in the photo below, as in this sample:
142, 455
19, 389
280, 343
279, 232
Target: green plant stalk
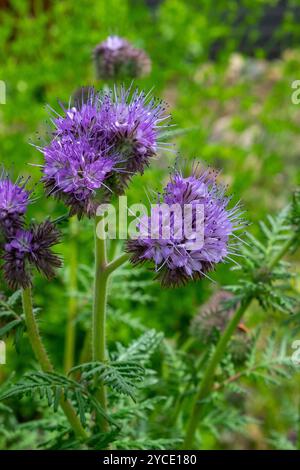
103, 270
86, 351
72, 307
208, 378
99, 309
116, 263
44, 361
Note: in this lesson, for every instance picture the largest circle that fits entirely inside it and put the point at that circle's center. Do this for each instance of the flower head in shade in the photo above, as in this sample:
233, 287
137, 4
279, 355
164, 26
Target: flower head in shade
212, 319
14, 200
99, 145
15, 257
30, 248
116, 58
175, 257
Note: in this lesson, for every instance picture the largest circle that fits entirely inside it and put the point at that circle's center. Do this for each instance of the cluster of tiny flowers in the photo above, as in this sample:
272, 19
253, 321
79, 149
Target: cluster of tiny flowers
23, 247
98, 146
14, 200
212, 319
116, 58
176, 260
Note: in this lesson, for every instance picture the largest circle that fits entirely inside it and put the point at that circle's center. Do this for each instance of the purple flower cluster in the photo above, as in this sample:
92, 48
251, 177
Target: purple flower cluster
118, 59
30, 247
22, 247
176, 260
98, 146
14, 200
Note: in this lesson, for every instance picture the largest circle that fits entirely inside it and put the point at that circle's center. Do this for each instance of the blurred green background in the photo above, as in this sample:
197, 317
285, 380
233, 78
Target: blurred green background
225, 69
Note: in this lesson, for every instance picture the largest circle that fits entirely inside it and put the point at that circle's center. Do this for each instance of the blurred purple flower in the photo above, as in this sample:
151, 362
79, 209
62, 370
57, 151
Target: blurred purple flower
116, 58
14, 200
176, 260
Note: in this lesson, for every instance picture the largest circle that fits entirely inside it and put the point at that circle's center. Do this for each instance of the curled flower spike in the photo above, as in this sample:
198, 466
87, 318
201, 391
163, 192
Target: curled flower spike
132, 124
14, 200
99, 145
118, 59
44, 237
30, 248
176, 257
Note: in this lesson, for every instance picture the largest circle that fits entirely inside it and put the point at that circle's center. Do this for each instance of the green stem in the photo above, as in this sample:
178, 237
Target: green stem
99, 308
208, 377
103, 270
86, 351
44, 361
72, 307
116, 263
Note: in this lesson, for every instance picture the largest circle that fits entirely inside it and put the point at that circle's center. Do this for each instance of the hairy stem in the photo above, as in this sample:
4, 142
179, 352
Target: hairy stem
116, 263
103, 270
208, 377
44, 361
99, 309
72, 307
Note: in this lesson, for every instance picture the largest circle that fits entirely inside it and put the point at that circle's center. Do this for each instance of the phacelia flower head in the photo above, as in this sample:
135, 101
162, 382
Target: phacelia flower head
14, 200
131, 124
116, 58
212, 319
74, 171
97, 147
201, 227
30, 248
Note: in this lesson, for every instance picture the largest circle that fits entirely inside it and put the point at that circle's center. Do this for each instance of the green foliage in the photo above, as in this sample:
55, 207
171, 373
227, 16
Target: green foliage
141, 349
121, 376
272, 364
262, 278
11, 322
234, 112
127, 367
55, 387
